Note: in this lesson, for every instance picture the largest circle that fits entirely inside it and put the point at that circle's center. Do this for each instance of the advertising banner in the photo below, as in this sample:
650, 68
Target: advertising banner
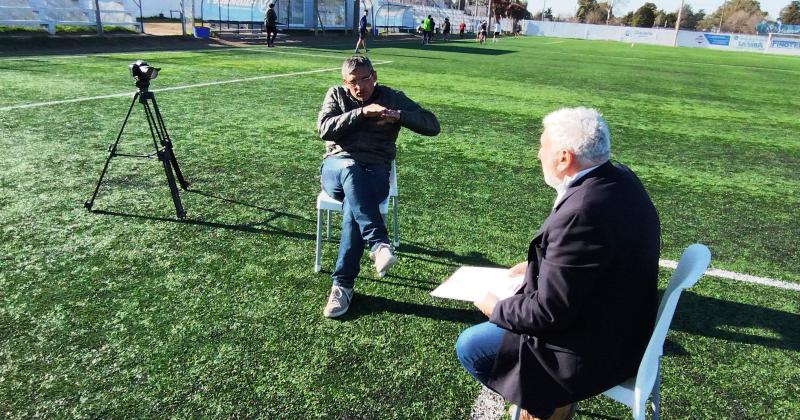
737, 42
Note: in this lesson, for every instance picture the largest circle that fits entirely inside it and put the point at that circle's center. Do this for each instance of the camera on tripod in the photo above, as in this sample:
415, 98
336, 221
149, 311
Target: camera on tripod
142, 74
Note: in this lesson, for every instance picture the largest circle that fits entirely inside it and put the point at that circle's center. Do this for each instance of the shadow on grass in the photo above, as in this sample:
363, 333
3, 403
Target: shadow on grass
734, 321
413, 250
593, 415
276, 213
248, 228
476, 49
368, 304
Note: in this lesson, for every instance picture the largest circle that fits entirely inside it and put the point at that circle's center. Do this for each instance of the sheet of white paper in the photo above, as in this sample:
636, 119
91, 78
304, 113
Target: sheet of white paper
471, 283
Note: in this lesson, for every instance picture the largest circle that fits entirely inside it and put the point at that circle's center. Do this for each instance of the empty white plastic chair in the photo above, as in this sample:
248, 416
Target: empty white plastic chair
328, 204
635, 391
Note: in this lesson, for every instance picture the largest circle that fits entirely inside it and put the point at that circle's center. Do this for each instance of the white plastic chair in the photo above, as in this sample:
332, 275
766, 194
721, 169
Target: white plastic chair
635, 391
329, 204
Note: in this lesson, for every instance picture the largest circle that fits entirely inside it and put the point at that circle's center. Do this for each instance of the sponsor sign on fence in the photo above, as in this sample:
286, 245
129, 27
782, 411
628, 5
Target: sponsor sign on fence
778, 44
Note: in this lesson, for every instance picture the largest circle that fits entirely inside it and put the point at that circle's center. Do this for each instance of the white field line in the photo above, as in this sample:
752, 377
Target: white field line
220, 82
38, 57
554, 42
715, 272
694, 63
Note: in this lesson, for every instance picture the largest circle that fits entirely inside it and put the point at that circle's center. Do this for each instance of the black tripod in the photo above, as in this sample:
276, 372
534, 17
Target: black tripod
160, 136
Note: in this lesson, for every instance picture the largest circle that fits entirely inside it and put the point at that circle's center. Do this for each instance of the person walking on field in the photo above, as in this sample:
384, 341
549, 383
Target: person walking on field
271, 25
461, 27
427, 29
482, 32
446, 29
496, 31
362, 32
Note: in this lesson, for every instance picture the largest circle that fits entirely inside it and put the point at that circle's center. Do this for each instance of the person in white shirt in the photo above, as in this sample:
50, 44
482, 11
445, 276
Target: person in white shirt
496, 31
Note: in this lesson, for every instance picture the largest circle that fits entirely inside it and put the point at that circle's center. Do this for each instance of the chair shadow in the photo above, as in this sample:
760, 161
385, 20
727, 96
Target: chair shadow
364, 305
413, 250
593, 415
717, 318
277, 213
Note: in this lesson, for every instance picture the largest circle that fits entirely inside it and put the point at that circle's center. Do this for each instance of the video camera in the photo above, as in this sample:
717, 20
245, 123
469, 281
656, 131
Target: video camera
142, 73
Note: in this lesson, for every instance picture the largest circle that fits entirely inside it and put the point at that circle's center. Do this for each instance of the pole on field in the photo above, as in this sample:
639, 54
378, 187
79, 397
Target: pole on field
721, 14
678, 25
98, 22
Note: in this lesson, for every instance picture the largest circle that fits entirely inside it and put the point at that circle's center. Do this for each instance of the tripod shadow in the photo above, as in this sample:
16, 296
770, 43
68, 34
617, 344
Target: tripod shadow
247, 228
276, 213
367, 305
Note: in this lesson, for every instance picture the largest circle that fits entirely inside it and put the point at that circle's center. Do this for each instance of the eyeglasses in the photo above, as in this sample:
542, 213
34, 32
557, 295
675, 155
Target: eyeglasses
361, 81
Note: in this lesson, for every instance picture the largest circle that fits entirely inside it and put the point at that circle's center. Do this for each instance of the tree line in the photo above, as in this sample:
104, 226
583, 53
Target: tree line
740, 16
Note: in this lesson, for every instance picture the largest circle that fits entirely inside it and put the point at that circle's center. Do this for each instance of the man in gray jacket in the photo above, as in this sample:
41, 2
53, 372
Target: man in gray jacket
359, 122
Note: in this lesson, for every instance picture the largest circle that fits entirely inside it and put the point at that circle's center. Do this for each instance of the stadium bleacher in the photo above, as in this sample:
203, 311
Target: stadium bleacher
49, 13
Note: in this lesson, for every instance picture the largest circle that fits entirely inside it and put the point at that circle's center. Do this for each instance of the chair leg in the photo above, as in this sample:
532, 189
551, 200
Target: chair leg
657, 396
328, 225
396, 225
318, 254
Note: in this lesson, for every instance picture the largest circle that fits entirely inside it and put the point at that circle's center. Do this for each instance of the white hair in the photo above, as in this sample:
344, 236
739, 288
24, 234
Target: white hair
581, 130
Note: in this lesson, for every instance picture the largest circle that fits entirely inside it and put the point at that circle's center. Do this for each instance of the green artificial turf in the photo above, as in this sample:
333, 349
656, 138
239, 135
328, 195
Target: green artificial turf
127, 311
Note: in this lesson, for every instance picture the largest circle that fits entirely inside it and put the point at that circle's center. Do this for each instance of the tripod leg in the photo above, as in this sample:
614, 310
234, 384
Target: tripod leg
164, 155
112, 150
167, 143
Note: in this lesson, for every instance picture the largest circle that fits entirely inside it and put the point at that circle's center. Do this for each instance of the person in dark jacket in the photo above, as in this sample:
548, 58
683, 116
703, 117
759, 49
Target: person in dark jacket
446, 29
362, 32
271, 25
581, 321
359, 122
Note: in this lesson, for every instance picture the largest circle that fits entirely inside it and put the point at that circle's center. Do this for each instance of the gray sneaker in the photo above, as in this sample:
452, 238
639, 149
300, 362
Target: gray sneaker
338, 301
384, 258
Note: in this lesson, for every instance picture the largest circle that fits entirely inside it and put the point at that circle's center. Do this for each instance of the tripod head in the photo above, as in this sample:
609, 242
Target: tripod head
142, 73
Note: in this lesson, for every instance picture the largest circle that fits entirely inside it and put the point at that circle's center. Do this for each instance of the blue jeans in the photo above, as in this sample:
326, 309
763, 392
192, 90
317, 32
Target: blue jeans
361, 189
477, 347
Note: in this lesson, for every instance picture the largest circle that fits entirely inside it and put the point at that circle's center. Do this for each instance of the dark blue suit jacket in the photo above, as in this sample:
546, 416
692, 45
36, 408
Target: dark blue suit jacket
583, 318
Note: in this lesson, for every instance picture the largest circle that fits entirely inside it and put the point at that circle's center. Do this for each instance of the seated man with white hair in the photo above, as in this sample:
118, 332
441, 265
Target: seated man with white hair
582, 318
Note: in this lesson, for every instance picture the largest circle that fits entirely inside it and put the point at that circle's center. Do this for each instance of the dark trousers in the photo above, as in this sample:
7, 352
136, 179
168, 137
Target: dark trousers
272, 33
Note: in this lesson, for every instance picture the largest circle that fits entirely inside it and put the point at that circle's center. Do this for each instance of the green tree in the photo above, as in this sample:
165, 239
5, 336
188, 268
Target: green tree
690, 19
584, 8
790, 15
736, 15
513, 9
645, 16
548, 15
627, 20
610, 5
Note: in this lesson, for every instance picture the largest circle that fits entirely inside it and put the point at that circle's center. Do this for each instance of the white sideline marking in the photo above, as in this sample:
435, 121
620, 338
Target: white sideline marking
38, 57
221, 82
715, 272
554, 42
